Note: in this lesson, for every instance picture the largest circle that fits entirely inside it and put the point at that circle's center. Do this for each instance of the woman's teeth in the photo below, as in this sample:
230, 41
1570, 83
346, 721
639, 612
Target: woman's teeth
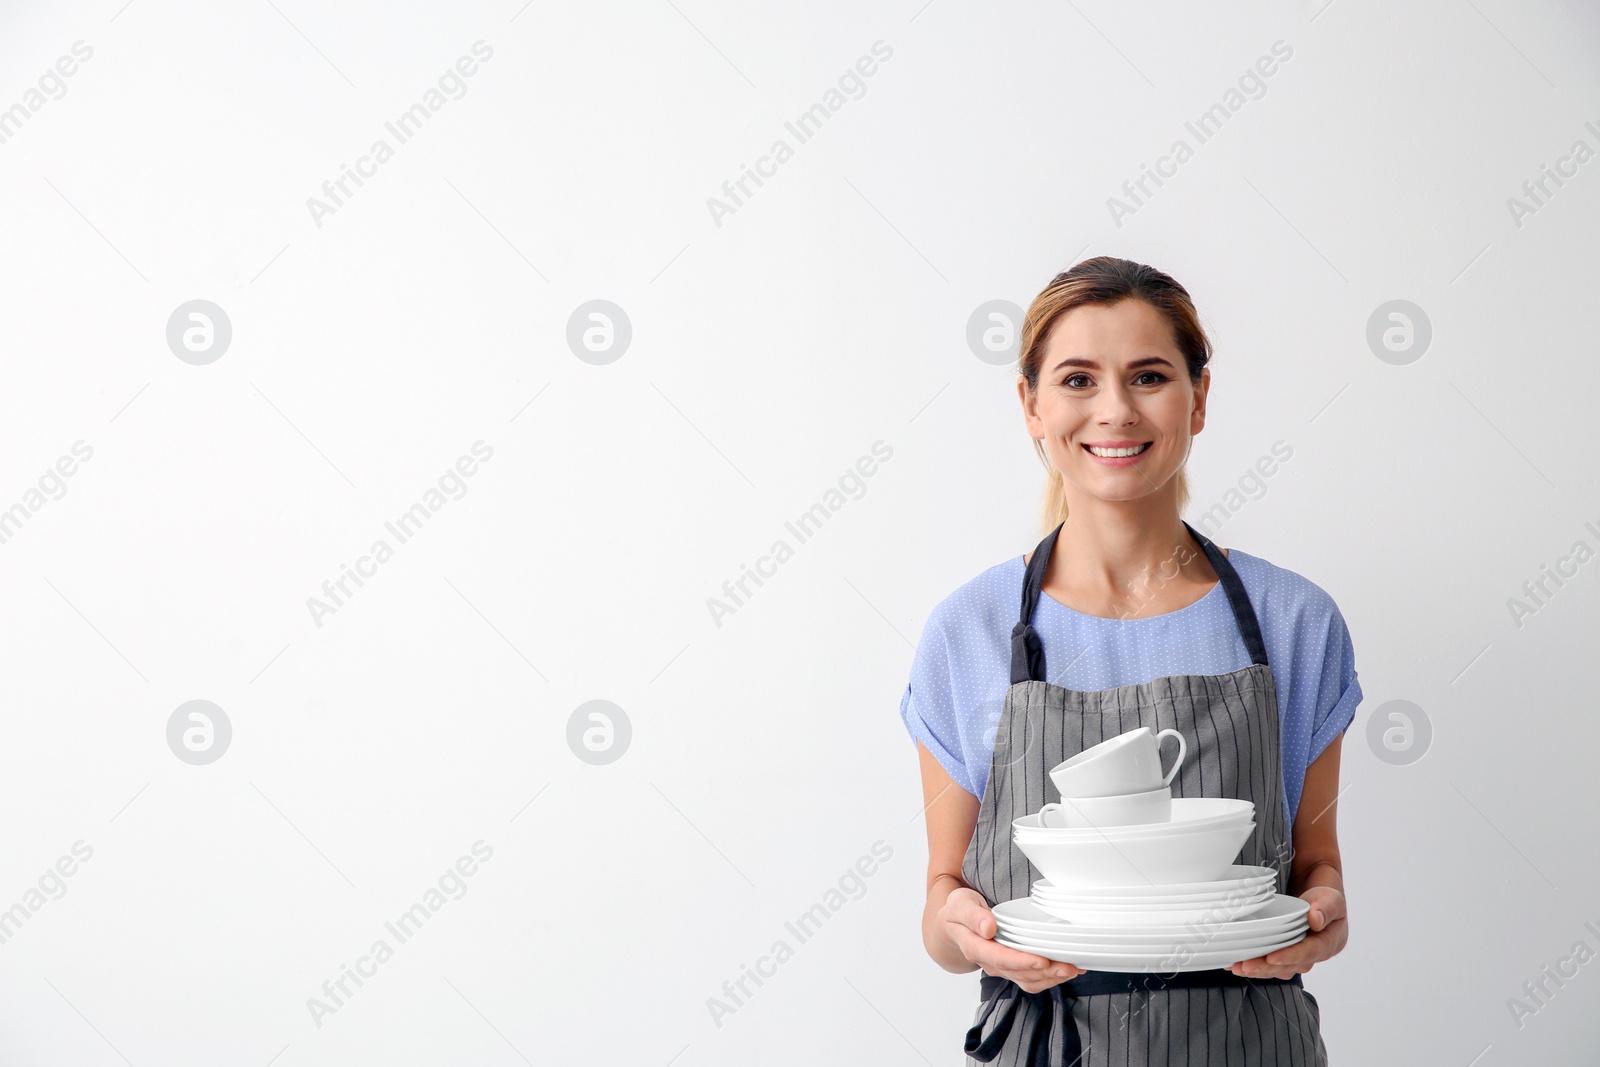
1115, 453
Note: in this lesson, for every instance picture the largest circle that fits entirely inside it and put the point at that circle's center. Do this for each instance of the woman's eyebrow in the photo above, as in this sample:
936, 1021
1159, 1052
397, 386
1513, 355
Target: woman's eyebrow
1074, 361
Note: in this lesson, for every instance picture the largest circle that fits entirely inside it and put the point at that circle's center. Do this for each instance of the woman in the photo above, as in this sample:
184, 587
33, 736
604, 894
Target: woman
1129, 617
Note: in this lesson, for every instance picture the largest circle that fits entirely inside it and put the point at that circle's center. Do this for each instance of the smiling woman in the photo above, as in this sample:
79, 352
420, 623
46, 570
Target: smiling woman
1126, 617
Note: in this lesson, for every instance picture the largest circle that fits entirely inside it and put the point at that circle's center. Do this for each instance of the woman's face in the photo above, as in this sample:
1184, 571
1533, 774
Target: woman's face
1113, 379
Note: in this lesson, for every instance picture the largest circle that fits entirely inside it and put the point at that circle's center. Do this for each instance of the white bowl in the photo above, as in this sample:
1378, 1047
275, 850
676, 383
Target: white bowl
1239, 876
1066, 898
1099, 860
1189, 815
1090, 898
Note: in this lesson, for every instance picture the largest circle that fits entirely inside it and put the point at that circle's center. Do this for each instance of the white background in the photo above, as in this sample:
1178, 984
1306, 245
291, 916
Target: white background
769, 353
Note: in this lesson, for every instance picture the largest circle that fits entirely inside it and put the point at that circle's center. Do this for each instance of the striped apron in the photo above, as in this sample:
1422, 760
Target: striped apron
1114, 1019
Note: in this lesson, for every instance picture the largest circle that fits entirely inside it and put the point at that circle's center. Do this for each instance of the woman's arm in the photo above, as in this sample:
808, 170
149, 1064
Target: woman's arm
951, 814
957, 926
1315, 874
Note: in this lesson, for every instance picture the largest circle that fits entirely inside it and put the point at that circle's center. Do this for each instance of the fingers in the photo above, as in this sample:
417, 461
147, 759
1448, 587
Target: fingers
968, 908
973, 928
1285, 962
1030, 971
1327, 906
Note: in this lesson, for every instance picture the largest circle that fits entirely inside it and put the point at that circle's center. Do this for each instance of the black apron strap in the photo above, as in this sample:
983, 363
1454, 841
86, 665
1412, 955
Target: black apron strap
1027, 651
1243, 613
1055, 1039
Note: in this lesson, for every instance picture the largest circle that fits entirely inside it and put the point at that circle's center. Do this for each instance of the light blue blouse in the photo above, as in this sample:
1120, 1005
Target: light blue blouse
962, 666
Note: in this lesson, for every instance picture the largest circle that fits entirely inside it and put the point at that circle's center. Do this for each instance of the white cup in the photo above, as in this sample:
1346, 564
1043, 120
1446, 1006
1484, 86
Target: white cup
1129, 809
1127, 763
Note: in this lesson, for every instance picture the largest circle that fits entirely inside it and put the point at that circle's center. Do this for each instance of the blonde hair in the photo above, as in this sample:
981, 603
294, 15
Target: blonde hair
1106, 280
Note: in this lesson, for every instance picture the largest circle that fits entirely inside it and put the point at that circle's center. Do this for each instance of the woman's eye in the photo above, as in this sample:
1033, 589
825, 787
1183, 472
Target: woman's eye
1149, 377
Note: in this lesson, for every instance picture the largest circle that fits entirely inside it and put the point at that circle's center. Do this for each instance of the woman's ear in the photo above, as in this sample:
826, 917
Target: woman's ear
1030, 409
1197, 417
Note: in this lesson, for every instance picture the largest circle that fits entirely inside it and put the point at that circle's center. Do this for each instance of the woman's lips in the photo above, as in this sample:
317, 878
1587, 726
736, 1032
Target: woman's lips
1118, 461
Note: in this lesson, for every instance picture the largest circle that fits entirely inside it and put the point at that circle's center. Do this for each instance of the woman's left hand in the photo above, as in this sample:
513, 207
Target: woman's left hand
1329, 931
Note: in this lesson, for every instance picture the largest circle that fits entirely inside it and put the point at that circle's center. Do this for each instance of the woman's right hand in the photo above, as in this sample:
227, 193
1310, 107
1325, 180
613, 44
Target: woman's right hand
971, 927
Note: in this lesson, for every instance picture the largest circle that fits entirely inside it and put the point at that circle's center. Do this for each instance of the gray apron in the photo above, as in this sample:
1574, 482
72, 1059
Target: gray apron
1113, 1019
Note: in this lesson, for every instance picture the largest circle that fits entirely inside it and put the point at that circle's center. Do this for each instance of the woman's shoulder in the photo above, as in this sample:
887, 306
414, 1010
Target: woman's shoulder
991, 596
1281, 592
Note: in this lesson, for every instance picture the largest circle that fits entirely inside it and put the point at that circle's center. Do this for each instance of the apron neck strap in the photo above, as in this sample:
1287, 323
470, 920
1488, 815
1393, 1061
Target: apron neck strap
1027, 651
1243, 613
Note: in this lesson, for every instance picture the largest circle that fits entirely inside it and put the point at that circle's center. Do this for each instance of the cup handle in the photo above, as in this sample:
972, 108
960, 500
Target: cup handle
1183, 750
1052, 806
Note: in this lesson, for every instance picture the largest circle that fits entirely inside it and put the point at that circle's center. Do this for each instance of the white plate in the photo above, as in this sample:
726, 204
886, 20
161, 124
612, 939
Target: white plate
1065, 898
1238, 876
1124, 941
1282, 911
1167, 962
1104, 944
1152, 938
1213, 913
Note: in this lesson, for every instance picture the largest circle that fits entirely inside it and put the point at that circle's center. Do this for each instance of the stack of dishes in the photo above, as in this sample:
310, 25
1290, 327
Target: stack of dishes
1139, 880
1166, 949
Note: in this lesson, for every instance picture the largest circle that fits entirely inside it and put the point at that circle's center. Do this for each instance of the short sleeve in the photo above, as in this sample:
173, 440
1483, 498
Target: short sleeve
1339, 688
927, 707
